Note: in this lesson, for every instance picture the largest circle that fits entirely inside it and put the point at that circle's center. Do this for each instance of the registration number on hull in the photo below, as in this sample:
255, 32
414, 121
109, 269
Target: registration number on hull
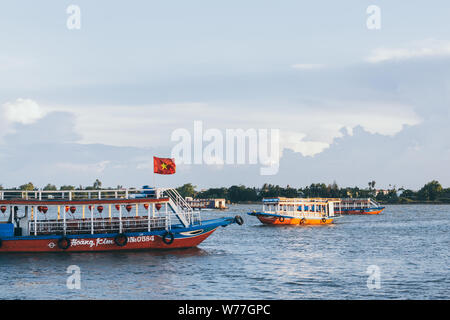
104, 241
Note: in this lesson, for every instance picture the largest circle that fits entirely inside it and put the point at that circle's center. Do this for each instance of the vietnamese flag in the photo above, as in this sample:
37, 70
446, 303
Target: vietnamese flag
164, 165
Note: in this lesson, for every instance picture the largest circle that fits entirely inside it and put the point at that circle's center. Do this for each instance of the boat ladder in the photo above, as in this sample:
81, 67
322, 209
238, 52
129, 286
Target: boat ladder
374, 203
181, 208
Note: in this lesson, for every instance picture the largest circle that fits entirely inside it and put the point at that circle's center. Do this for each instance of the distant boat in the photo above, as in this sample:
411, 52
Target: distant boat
358, 206
151, 218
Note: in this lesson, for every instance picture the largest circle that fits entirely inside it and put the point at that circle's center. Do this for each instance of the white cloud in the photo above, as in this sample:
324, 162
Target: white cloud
295, 141
427, 48
97, 167
24, 111
308, 129
311, 130
307, 66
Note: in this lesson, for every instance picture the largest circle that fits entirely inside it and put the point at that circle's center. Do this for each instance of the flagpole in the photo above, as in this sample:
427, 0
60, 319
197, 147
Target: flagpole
154, 174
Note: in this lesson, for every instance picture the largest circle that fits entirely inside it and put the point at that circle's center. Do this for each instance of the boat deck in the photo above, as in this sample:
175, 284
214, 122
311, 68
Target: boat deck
98, 225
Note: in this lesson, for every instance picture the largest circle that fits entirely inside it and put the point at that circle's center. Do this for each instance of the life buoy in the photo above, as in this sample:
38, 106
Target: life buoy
302, 221
324, 220
281, 219
64, 243
170, 235
121, 239
239, 220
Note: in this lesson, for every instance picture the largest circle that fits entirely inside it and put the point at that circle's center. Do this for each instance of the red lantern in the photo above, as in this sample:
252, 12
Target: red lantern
3, 209
90, 208
73, 209
67, 208
118, 207
100, 209
129, 207
39, 208
146, 206
158, 206
44, 210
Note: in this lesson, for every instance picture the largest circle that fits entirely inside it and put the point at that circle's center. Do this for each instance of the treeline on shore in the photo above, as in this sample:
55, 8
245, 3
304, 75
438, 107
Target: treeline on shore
432, 192
97, 185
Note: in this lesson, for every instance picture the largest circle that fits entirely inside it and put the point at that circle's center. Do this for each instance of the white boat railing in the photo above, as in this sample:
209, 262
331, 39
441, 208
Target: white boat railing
105, 225
71, 194
181, 208
357, 203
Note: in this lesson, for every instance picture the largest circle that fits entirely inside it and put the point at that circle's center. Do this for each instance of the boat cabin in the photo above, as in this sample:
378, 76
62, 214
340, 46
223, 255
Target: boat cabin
74, 212
298, 207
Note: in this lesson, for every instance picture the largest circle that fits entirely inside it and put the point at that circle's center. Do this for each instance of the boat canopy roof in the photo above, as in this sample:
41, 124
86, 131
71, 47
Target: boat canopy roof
82, 197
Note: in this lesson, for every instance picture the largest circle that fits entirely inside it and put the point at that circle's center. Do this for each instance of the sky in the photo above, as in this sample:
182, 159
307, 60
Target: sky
352, 104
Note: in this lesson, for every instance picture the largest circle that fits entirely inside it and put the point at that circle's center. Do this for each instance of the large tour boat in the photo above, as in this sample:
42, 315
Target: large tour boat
296, 211
101, 220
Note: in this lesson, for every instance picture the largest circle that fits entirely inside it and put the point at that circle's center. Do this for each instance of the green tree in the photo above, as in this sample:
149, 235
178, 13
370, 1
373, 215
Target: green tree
50, 187
97, 184
241, 193
27, 187
67, 188
430, 192
409, 194
187, 190
213, 193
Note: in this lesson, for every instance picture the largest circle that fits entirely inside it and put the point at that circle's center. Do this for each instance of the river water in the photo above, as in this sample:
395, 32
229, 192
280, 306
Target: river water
401, 254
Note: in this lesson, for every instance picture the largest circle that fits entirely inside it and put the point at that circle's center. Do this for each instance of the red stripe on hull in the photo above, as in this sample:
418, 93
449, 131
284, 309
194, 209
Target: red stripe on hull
102, 244
361, 212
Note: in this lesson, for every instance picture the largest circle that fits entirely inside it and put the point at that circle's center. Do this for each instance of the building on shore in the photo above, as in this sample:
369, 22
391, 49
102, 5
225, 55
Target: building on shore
382, 191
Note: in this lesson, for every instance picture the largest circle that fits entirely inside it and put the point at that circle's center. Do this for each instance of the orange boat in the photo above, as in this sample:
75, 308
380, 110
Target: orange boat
358, 206
295, 211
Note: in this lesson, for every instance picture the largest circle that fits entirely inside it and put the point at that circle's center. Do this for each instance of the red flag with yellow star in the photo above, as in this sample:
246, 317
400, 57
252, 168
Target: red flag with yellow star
164, 165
